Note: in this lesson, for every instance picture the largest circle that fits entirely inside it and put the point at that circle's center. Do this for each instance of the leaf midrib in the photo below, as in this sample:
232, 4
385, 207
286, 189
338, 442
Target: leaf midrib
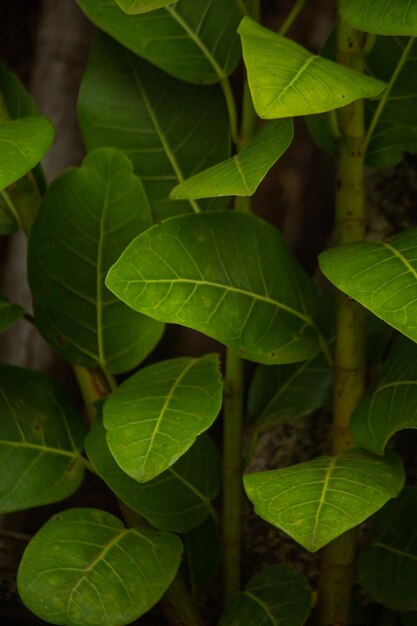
40, 447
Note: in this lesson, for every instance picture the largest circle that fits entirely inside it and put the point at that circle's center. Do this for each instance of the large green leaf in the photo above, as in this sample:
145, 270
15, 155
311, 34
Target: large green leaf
87, 218
316, 501
142, 6
241, 174
84, 567
388, 567
156, 415
382, 17
381, 275
276, 596
194, 40
169, 129
228, 275
41, 438
178, 499
10, 312
393, 405
23, 143
286, 80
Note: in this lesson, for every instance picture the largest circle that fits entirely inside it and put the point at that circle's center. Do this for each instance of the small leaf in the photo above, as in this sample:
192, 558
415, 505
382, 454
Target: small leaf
178, 499
388, 567
23, 143
87, 217
317, 501
393, 405
286, 80
41, 438
381, 275
382, 17
241, 174
276, 596
221, 273
85, 567
202, 563
10, 313
193, 40
169, 129
156, 415
142, 6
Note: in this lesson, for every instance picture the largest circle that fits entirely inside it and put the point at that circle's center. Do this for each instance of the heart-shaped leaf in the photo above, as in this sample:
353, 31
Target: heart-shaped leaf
84, 567
10, 313
276, 596
178, 499
201, 564
194, 40
382, 17
169, 129
41, 438
393, 405
87, 217
221, 273
286, 80
241, 174
23, 143
142, 6
156, 415
388, 567
381, 275
316, 501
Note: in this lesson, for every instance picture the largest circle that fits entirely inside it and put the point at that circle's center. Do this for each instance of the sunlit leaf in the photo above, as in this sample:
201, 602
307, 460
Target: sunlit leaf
87, 217
84, 567
222, 273
286, 80
316, 501
169, 129
41, 438
194, 40
10, 312
382, 17
142, 6
241, 174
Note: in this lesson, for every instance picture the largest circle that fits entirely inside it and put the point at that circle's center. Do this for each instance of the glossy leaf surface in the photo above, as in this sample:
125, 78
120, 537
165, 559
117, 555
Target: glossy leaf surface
393, 405
169, 129
178, 499
23, 143
142, 6
287, 80
382, 276
316, 501
194, 40
10, 312
156, 415
382, 17
85, 567
41, 438
388, 567
276, 596
223, 274
88, 216
241, 174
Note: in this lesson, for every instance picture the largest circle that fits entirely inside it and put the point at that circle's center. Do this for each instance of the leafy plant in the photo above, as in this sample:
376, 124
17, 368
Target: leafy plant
156, 227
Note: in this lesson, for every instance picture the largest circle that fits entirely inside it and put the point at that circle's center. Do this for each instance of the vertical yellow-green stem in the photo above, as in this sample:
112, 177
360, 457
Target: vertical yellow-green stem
349, 360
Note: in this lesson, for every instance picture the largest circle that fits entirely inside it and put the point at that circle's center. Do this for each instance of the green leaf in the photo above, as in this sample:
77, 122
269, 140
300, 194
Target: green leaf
87, 217
23, 143
388, 567
156, 415
221, 273
393, 405
241, 174
178, 499
84, 567
142, 6
276, 596
169, 129
316, 501
10, 313
41, 438
193, 40
201, 563
286, 80
382, 17
381, 275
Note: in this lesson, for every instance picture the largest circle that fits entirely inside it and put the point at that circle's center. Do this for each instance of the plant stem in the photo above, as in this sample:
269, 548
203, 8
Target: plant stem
231, 107
349, 362
292, 16
178, 606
